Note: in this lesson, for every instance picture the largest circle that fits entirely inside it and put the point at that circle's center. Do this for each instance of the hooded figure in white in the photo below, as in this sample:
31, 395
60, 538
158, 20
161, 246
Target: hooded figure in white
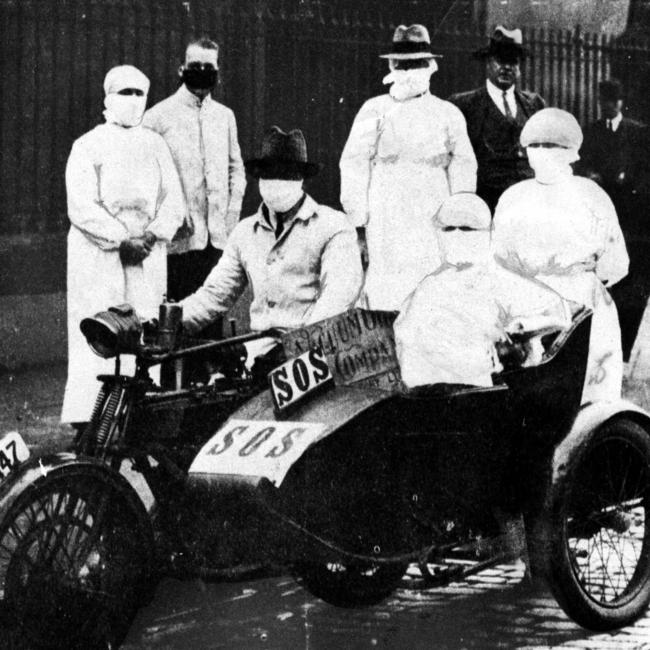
448, 327
563, 230
125, 204
407, 151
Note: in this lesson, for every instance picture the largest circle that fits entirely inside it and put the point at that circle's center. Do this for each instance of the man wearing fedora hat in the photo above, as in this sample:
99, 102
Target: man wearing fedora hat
300, 258
407, 151
496, 113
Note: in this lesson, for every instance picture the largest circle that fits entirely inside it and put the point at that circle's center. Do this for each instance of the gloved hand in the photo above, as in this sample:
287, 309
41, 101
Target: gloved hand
134, 250
150, 331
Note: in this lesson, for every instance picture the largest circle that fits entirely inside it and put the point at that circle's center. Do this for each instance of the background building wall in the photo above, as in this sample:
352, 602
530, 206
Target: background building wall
305, 64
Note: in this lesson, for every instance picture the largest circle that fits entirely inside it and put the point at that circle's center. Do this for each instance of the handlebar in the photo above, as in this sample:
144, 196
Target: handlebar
148, 354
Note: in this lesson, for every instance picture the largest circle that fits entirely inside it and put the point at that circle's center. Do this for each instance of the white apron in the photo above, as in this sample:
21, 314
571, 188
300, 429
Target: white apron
604, 375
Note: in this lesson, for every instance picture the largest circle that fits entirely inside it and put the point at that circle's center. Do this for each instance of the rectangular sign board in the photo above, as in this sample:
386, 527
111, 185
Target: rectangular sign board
359, 346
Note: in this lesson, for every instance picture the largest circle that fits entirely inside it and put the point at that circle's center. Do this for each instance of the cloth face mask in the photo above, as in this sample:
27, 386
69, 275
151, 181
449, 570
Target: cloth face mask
202, 78
551, 164
280, 195
409, 83
458, 247
124, 110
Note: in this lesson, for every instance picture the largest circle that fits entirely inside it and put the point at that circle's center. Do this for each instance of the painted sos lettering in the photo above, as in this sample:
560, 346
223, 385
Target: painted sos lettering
298, 376
227, 441
254, 442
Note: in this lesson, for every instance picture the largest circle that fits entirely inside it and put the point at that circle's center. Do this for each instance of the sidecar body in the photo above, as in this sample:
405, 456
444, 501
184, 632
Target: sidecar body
366, 479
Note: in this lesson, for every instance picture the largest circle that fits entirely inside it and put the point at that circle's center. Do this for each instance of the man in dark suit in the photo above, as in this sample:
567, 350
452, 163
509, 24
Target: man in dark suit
614, 154
495, 115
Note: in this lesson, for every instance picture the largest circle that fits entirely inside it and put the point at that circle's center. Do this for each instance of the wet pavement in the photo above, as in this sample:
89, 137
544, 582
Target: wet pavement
489, 610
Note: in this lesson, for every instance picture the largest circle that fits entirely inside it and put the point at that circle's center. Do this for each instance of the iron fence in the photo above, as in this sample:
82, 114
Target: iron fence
307, 64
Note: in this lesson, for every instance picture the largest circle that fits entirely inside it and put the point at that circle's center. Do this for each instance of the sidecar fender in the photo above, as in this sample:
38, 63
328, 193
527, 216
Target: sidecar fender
37, 470
257, 443
589, 418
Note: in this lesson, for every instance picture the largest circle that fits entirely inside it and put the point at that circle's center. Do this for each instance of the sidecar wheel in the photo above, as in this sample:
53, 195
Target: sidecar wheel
348, 585
75, 561
598, 556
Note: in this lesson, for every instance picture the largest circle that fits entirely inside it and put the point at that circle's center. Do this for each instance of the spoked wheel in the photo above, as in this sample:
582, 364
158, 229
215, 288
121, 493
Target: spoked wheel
74, 561
347, 585
599, 562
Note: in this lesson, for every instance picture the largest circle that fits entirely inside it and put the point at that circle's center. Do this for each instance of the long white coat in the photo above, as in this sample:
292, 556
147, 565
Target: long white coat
447, 328
402, 158
119, 183
567, 235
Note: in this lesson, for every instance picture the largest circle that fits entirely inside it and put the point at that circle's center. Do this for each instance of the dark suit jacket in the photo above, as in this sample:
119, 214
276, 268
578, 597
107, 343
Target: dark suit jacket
495, 139
474, 105
620, 158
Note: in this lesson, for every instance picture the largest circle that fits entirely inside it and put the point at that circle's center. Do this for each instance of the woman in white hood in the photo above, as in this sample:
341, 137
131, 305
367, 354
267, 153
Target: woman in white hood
125, 204
563, 230
407, 151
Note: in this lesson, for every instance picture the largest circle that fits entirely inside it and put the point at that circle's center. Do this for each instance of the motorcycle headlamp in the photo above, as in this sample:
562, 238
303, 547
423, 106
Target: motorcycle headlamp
112, 332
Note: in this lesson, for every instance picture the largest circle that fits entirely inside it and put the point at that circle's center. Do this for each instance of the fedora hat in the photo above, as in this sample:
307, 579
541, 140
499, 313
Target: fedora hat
504, 43
283, 156
411, 42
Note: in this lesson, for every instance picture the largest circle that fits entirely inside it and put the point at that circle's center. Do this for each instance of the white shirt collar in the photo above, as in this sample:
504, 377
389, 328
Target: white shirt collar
616, 121
496, 94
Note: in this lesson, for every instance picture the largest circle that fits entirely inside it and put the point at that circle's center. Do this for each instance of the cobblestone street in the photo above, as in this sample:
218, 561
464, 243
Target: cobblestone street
489, 610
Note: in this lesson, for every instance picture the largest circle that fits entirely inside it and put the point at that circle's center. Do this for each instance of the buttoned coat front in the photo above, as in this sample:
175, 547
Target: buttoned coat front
202, 136
311, 272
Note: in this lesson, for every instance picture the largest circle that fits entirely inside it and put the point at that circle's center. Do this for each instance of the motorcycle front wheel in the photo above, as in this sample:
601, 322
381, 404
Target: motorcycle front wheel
346, 585
75, 561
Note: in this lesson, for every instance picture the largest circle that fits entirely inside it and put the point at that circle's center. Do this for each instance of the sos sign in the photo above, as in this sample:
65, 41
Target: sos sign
297, 377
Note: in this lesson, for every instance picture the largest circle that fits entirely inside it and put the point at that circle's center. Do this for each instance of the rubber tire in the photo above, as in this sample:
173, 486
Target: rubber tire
122, 535
348, 586
558, 570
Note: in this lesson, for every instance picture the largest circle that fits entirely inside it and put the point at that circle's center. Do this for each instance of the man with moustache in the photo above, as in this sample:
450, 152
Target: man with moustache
202, 136
495, 115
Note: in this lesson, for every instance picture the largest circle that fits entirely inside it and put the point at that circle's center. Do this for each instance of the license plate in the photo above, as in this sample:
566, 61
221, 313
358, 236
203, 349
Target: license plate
297, 377
13, 451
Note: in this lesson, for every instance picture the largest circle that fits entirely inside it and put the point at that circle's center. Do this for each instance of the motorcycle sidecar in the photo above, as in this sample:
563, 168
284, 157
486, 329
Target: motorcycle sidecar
354, 483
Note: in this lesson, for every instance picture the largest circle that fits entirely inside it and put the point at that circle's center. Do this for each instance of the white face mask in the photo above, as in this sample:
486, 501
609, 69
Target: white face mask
280, 195
409, 83
551, 165
125, 110
469, 247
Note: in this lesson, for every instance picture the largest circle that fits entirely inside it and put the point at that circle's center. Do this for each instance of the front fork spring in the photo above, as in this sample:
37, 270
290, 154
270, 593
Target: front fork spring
108, 415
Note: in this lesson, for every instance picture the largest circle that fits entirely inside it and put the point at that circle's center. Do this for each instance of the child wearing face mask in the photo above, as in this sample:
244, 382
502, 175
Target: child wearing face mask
448, 327
563, 230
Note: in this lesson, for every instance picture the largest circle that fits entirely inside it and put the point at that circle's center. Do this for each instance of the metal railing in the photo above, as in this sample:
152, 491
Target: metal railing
307, 64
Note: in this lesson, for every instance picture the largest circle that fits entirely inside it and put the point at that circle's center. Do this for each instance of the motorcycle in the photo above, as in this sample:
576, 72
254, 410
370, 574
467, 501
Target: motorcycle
331, 467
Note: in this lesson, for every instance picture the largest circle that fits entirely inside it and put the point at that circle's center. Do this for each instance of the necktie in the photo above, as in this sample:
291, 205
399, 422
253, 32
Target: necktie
609, 125
506, 106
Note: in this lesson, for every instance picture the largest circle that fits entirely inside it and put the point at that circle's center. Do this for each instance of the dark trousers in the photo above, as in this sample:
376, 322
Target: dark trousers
185, 274
632, 292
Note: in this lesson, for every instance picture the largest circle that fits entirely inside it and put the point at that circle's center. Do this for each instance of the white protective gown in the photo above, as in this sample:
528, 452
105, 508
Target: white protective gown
447, 328
120, 181
401, 160
567, 235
